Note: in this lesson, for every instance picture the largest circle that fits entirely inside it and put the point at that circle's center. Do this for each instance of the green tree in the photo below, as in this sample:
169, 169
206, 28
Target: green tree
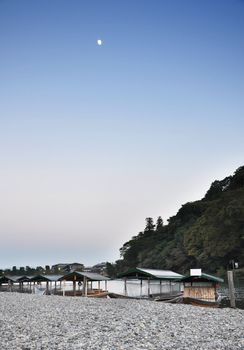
111, 270
206, 233
149, 225
159, 223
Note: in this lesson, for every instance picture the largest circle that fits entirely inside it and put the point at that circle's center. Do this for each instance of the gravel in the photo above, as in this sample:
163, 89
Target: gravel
55, 323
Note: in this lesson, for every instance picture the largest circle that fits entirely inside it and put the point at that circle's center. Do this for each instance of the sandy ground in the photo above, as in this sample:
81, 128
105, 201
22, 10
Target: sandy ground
53, 322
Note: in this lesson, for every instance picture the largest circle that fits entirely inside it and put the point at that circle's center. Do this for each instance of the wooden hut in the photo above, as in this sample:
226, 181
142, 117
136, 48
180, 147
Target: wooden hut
200, 287
48, 279
85, 279
8, 283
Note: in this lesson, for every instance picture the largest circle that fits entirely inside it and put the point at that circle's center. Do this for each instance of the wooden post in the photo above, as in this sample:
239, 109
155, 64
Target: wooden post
64, 288
86, 285
125, 286
83, 286
141, 289
231, 289
160, 286
84, 290
99, 287
170, 288
74, 286
148, 287
106, 286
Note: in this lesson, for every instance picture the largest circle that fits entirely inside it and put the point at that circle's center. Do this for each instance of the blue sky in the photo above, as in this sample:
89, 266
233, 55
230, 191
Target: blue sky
94, 139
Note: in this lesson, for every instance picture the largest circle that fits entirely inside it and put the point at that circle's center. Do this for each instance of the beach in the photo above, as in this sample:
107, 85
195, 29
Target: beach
53, 322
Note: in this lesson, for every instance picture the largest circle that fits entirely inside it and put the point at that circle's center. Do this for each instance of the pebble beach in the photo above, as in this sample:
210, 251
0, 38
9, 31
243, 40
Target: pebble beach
52, 322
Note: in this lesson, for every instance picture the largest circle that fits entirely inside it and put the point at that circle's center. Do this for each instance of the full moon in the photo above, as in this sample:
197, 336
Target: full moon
99, 42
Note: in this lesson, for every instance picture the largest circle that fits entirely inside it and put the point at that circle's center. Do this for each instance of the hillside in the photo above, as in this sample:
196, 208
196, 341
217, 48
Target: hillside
207, 233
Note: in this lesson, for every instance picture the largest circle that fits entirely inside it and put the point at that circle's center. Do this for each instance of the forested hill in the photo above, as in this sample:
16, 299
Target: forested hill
207, 233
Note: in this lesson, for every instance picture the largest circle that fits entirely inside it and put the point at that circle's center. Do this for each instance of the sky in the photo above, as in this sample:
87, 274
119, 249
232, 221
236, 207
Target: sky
94, 139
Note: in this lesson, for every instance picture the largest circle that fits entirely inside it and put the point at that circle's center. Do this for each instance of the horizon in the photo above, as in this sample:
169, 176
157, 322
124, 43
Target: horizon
95, 138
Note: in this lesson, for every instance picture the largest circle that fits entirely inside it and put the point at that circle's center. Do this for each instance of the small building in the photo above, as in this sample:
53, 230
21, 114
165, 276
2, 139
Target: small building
201, 285
8, 281
13, 283
168, 282
68, 267
99, 268
48, 279
86, 279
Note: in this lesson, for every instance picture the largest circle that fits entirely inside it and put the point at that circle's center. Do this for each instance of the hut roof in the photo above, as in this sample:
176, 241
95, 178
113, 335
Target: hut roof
142, 273
25, 278
202, 277
14, 279
79, 276
45, 278
6, 279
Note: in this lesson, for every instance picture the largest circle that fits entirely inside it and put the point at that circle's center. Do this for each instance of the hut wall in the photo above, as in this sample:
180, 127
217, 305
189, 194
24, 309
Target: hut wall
206, 293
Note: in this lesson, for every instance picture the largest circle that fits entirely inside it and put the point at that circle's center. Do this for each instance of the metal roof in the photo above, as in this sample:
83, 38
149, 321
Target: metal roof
6, 279
139, 272
25, 278
203, 277
79, 276
14, 279
46, 278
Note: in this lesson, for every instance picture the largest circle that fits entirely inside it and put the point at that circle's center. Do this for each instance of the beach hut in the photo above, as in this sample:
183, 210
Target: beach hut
21, 280
86, 279
49, 279
6, 283
200, 288
166, 278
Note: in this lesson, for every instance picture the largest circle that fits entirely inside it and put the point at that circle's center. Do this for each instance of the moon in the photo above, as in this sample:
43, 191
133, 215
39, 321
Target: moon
99, 42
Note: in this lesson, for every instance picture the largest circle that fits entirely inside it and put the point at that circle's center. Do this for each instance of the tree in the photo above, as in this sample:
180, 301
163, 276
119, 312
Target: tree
149, 225
159, 223
206, 233
22, 270
110, 269
39, 269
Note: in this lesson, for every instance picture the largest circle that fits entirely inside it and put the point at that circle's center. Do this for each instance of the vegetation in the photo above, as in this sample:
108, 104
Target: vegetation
207, 234
39, 270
